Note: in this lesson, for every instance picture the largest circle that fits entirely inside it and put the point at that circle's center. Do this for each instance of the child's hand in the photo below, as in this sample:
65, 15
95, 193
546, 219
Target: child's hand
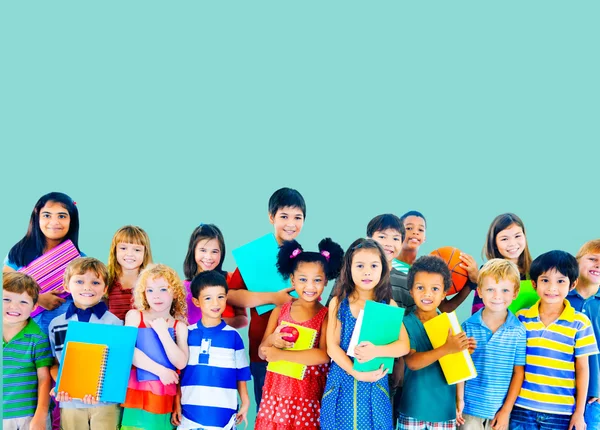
159, 324
460, 405
365, 351
472, 344
242, 415
456, 343
372, 376
88, 399
500, 421
282, 296
270, 353
176, 415
577, 422
277, 341
470, 265
50, 300
168, 376
63, 397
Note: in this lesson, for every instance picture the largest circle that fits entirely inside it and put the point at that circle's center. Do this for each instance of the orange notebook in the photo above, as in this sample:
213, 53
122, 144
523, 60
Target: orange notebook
82, 369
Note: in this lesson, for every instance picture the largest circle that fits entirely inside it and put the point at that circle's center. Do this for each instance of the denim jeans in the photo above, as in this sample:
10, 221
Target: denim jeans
524, 419
592, 416
259, 373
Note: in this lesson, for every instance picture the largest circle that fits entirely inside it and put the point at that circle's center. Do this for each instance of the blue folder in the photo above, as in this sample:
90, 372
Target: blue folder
121, 344
257, 262
149, 343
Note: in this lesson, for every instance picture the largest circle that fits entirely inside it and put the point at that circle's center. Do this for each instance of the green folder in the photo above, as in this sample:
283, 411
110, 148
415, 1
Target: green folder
381, 326
527, 297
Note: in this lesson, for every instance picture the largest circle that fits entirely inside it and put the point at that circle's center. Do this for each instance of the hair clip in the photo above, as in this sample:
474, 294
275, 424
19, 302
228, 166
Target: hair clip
74, 202
201, 224
326, 254
295, 252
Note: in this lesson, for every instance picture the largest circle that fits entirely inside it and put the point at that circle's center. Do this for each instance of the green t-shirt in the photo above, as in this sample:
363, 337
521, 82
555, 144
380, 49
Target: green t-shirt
426, 396
23, 355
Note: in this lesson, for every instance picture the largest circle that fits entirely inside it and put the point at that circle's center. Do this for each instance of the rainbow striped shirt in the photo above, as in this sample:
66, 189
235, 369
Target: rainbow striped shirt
549, 384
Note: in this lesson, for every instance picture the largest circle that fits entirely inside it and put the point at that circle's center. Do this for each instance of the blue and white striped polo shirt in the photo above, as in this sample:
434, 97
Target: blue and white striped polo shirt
209, 396
495, 358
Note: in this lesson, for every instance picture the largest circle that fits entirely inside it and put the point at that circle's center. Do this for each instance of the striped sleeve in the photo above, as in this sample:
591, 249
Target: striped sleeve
585, 341
241, 361
42, 356
521, 350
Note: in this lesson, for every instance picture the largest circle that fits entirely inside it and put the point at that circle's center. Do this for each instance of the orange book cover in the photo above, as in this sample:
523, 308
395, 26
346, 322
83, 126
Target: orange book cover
82, 369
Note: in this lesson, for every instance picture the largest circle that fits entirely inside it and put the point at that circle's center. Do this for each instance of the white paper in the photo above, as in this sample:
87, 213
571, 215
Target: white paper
355, 334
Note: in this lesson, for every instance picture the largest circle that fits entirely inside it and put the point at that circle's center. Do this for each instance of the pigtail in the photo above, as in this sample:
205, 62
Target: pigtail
334, 256
285, 258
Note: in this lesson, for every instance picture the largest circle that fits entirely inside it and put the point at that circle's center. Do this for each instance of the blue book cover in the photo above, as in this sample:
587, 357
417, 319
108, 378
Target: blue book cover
149, 343
121, 344
257, 262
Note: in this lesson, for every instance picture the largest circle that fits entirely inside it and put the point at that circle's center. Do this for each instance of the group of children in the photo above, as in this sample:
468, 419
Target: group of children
538, 369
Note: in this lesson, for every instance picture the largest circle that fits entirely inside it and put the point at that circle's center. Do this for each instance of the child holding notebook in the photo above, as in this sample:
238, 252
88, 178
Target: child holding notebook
27, 358
85, 280
288, 402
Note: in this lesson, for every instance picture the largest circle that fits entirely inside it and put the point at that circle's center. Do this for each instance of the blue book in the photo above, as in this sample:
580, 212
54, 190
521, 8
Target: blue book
257, 262
149, 343
121, 344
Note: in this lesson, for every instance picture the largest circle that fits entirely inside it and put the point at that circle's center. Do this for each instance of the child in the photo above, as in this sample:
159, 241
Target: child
287, 211
506, 239
54, 219
26, 357
485, 402
217, 368
160, 305
427, 401
129, 254
559, 341
355, 399
206, 251
585, 298
85, 280
309, 272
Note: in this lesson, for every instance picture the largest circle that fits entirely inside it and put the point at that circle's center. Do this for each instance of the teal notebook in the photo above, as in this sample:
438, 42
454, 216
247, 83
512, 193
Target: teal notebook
121, 344
381, 325
257, 262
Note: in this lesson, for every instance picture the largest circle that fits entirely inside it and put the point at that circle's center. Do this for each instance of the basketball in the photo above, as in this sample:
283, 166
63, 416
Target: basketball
451, 257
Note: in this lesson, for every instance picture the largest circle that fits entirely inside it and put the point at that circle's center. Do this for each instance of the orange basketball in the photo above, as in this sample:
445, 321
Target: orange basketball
451, 257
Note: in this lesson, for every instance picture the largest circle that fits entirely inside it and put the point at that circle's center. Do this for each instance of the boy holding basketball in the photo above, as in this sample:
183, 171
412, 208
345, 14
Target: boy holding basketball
485, 402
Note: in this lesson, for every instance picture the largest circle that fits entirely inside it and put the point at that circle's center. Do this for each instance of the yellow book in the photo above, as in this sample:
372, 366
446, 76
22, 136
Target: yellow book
306, 340
82, 369
457, 367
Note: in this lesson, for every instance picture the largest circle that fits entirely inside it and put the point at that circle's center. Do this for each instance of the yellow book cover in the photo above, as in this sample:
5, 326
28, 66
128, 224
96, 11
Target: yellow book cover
457, 367
306, 340
82, 369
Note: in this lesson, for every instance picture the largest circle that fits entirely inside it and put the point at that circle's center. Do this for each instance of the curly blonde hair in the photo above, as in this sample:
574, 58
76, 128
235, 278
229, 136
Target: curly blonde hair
154, 271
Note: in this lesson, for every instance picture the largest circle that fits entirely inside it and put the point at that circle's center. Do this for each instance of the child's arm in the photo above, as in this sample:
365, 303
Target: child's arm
252, 299
449, 305
582, 379
460, 403
142, 361
239, 320
454, 343
502, 417
176, 354
43, 400
176, 415
366, 351
272, 336
309, 357
243, 412
338, 355
54, 370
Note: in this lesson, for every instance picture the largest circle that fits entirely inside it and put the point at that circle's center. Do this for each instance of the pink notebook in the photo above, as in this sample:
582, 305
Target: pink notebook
48, 269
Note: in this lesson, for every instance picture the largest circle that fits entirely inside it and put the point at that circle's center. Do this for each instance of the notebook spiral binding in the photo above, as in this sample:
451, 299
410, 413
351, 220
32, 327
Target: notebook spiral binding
102, 374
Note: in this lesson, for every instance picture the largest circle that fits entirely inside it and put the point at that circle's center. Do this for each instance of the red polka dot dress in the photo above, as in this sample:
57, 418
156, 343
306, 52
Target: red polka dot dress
289, 403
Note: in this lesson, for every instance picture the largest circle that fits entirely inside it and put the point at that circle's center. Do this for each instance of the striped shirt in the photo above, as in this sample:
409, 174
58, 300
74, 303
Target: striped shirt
549, 384
22, 356
217, 361
495, 358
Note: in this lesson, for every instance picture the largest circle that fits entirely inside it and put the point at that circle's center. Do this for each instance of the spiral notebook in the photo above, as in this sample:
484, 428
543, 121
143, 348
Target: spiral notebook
306, 340
457, 367
48, 270
83, 369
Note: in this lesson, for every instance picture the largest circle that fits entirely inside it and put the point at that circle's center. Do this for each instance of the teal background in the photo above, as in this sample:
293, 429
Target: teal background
168, 114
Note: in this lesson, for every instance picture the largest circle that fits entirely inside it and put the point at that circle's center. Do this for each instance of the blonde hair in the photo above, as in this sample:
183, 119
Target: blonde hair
127, 234
82, 265
590, 247
16, 282
154, 271
498, 269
